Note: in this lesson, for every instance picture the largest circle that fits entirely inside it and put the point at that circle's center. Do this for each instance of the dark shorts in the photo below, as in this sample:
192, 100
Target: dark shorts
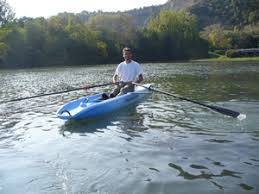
122, 88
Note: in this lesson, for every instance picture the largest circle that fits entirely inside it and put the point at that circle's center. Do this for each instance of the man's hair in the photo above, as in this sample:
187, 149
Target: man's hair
126, 49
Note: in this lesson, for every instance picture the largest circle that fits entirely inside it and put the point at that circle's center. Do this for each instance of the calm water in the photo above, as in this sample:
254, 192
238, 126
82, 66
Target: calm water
161, 146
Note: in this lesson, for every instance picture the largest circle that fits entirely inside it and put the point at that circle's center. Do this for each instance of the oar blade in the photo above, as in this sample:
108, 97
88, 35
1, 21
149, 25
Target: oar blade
224, 111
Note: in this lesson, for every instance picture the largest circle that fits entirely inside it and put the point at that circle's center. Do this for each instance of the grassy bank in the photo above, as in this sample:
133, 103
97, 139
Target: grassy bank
224, 58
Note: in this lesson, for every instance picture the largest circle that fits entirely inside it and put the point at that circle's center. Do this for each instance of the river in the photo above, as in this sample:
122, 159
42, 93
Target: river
161, 145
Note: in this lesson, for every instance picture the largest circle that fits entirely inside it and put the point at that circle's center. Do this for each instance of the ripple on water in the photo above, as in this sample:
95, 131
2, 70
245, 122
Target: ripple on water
162, 145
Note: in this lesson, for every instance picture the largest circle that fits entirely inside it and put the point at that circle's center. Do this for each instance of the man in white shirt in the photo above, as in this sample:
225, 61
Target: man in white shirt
127, 72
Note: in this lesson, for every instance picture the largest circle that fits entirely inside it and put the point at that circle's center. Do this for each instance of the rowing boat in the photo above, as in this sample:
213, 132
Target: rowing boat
94, 106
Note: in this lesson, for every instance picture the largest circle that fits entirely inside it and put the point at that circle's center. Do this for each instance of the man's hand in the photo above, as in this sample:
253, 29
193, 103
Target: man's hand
140, 78
85, 88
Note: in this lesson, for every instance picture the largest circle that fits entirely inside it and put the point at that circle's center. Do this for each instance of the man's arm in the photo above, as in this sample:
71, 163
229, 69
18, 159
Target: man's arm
115, 78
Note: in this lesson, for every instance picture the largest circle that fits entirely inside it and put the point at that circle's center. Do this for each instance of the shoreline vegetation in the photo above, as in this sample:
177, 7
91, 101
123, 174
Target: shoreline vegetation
232, 55
204, 60
226, 59
166, 34
193, 61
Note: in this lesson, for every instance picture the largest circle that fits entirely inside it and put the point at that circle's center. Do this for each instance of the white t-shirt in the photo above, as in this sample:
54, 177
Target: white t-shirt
128, 71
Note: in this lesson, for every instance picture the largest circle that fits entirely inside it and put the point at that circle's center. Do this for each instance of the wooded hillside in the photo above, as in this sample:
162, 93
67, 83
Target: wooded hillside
176, 30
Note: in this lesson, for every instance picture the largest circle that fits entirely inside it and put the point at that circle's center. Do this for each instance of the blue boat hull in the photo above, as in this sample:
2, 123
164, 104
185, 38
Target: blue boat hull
93, 106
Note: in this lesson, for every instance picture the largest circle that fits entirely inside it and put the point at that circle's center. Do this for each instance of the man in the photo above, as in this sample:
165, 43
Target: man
127, 72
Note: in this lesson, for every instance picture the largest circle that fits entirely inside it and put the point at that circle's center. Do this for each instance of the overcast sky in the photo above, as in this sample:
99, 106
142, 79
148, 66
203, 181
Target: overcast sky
47, 8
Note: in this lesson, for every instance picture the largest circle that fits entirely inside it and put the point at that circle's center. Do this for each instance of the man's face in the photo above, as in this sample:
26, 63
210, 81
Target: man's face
127, 55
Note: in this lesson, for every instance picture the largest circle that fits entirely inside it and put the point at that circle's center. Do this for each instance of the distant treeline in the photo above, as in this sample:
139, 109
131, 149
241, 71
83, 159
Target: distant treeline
65, 39
154, 33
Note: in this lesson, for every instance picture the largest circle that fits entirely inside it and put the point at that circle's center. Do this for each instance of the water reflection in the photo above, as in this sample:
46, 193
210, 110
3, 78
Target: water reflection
206, 174
203, 174
159, 146
127, 121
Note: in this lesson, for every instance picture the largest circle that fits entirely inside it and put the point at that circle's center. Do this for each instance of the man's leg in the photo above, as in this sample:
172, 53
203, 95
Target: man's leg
127, 88
116, 90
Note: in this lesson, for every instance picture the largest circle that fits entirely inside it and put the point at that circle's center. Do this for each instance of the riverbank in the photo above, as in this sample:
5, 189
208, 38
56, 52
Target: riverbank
226, 59
218, 59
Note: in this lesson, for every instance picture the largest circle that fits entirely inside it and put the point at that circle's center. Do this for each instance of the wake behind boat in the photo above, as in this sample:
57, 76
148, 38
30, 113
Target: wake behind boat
94, 106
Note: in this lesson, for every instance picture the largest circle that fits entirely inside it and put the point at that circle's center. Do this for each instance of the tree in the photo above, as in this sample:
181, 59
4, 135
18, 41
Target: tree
116, 30
172, 35
223, 38
3, 46
70, 41
217, 37
6, 13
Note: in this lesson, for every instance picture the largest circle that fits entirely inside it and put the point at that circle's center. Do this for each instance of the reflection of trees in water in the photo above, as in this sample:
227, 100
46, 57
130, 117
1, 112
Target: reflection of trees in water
214, 82
206, 174
127, 121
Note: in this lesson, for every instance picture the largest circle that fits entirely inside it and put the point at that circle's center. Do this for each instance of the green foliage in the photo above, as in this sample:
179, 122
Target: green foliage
6, 13
60, 40
16, 47
3, 46
3, 51
217, 37
65, 39
226, 12
226, 38
116, 30
98, 37
172, 35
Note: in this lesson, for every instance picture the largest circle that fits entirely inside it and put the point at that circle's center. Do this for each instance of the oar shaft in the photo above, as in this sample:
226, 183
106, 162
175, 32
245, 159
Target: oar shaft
55, 93
41, 95
215, 108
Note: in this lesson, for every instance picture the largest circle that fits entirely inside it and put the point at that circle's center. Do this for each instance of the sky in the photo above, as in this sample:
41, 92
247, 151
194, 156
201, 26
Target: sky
47, 8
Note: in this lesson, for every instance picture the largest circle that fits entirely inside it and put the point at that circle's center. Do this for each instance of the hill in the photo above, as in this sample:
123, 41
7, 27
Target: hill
229, 13
141, 16
208, 12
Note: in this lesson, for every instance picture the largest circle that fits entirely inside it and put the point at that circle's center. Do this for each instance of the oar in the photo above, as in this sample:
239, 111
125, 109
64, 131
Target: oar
221, 110
60, 92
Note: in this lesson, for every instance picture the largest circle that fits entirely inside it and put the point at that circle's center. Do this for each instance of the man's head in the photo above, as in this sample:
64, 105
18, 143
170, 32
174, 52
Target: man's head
127, 54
